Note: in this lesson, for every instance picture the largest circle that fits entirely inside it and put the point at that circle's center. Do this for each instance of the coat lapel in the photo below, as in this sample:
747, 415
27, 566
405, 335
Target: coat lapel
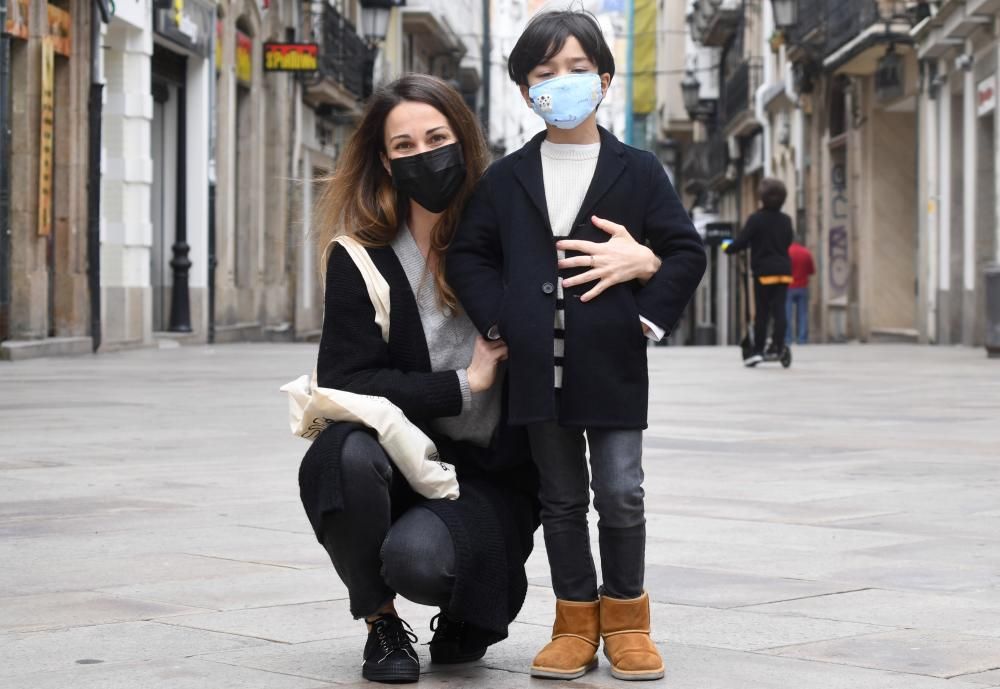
528, 170
610, 165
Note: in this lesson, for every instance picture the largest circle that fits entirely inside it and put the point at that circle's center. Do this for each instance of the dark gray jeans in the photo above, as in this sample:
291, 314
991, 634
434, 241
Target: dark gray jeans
616, 464
374, 556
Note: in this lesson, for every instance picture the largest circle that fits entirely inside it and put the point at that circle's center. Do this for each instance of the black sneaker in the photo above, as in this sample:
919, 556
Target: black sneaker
389, 654
451, 642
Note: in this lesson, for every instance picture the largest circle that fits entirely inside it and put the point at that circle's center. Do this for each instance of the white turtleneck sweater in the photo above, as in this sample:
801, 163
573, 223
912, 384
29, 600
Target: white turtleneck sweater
567, 171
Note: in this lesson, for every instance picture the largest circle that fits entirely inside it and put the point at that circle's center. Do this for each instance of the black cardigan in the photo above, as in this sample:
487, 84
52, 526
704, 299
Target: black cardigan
493, 522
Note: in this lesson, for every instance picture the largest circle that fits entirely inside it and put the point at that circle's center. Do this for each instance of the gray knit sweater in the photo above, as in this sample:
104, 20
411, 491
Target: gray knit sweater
451, 339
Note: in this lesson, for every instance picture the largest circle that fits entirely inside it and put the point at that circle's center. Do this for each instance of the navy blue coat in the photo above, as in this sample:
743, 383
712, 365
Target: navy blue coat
502, 265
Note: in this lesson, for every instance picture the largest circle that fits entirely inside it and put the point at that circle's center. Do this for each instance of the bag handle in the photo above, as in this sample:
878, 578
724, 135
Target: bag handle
378, 288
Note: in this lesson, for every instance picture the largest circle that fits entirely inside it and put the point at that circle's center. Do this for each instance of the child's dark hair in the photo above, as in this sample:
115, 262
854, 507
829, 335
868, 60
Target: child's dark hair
546, 35
772, 193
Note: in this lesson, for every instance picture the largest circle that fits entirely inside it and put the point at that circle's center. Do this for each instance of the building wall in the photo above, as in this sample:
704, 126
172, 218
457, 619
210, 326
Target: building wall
49, 295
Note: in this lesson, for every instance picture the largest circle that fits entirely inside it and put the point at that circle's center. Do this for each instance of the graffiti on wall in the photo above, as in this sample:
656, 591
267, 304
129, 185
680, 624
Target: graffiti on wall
839, 266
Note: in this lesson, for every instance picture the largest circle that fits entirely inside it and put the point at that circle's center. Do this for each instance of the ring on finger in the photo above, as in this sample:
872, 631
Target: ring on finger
591, 260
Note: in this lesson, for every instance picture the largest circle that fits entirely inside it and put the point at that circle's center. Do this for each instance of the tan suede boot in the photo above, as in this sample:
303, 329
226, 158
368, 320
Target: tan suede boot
575, 638
625, 630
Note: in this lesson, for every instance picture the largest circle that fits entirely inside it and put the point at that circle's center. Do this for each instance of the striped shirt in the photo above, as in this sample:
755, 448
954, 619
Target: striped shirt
567, 171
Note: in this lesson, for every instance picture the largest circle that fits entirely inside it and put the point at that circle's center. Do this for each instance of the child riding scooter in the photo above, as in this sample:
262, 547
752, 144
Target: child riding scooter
768, 233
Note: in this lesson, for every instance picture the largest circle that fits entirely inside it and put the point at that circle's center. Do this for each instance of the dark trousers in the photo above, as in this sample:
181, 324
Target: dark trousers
375, 556
770, 307
616, 465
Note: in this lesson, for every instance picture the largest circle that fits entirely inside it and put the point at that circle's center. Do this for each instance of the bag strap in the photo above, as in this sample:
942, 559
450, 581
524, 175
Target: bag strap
378, 288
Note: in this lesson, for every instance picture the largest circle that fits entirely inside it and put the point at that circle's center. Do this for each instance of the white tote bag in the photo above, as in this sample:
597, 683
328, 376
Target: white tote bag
312, 408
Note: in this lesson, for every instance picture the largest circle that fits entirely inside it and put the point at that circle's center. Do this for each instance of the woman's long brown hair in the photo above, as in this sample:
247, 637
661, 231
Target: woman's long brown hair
359, 198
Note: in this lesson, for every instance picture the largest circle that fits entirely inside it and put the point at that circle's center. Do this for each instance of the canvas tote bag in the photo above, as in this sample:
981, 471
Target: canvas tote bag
312, 408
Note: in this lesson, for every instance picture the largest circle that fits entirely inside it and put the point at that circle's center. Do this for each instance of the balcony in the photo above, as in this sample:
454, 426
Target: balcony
736, 113
344, 78
718, 158
695, 170
824, 27
713, 22
846, 19
811, 27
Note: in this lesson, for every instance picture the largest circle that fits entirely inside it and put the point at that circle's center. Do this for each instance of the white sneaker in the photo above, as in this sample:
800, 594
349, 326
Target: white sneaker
753, 360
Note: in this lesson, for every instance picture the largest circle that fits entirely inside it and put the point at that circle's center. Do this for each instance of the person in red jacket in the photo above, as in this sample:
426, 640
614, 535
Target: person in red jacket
797, 305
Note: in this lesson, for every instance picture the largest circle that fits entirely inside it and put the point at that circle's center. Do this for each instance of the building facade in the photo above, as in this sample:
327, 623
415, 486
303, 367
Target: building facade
46, 308
829, 104
959, 218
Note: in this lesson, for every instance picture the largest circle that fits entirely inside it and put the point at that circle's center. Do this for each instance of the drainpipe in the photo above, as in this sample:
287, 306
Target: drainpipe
630, 66
5, 150
487, 51
99, 14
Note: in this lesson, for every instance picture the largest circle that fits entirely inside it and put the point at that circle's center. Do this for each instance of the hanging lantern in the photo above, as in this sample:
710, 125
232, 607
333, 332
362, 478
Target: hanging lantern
691, 90
786, 13
890, 76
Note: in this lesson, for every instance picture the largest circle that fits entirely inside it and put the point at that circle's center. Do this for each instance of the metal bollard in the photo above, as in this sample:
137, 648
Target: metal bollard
993, 310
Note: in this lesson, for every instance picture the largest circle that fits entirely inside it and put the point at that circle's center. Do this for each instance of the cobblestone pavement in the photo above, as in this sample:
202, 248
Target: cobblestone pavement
833, 526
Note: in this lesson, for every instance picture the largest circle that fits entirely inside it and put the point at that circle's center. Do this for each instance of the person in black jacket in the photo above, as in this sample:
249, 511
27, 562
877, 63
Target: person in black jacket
768, 234
400, 186
535, 236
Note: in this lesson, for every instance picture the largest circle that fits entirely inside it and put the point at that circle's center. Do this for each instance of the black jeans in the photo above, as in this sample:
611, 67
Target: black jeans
616, 463
770, 305
374, 556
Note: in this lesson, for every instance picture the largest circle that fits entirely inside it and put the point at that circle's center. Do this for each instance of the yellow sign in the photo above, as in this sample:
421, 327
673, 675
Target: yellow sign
244, 62
291, 57
644, 58
60, 28
218, 44
47, 123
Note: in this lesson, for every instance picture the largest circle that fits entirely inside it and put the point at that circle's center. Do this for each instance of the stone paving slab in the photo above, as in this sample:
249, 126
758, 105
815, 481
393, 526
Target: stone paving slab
808, 528
77, 609
177, 673
107, 643
938, 654
902, 609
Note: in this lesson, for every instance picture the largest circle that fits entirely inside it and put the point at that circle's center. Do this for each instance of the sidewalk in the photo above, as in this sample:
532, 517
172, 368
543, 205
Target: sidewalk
833, 526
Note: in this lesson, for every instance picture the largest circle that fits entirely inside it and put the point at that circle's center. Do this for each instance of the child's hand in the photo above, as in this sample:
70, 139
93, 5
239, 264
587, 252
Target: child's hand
482, 372
618, 260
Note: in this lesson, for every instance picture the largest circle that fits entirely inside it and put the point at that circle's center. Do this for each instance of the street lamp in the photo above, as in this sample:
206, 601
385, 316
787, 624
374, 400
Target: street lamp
691, 90
786, 13
375, 18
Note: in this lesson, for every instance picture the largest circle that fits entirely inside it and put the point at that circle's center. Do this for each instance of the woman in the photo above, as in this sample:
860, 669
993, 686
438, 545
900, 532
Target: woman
399, 189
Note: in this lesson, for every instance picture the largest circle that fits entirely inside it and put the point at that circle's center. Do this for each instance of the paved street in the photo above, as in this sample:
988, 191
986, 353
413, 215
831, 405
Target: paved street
834, 526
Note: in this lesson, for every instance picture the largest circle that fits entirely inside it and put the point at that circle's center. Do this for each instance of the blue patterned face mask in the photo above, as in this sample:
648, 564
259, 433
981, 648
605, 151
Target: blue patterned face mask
566, 101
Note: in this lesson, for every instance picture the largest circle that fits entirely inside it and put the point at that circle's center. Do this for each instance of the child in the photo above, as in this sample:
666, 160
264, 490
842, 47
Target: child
577, 359
768, 234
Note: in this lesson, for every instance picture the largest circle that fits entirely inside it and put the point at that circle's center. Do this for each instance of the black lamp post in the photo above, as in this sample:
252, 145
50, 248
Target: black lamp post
786, 13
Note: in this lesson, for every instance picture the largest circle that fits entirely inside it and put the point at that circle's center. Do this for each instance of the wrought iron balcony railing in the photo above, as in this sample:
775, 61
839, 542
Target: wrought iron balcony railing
344, 57
738, 90
825, 26
714, 21
718, 155
695, 170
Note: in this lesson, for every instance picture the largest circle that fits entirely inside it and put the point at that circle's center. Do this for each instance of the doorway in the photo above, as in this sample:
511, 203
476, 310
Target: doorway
169, 72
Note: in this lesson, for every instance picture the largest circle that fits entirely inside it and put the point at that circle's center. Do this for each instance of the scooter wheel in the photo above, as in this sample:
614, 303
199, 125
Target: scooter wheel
786, 358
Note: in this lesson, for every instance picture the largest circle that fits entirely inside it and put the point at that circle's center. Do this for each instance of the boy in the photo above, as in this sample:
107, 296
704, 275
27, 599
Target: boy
577, 362
768, 234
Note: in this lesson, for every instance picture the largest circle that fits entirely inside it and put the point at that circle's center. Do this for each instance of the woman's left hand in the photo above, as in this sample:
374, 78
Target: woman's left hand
620, 259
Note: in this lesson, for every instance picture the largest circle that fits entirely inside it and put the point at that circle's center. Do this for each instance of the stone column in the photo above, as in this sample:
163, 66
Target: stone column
126, 220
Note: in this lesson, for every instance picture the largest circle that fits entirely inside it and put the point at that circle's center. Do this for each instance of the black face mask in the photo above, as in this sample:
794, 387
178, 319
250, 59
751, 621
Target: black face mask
431, 179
